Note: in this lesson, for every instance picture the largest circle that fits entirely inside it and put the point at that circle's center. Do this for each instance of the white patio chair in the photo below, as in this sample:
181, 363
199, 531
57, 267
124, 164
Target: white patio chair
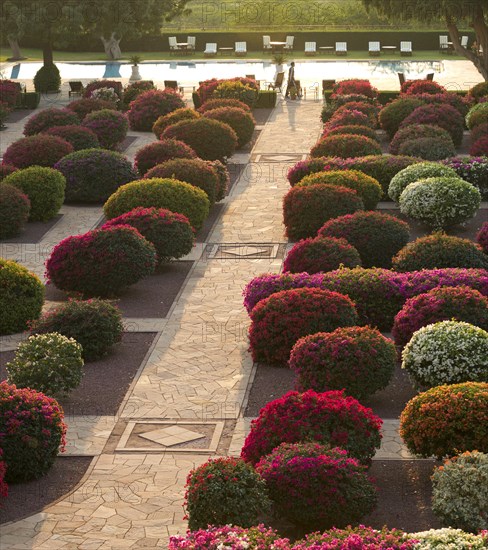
192, 42
310, 48
289, 43
374, 48
173, 46
406, 48
341, 48
210, 49
464, 41
241, 48
443, 43
266, 43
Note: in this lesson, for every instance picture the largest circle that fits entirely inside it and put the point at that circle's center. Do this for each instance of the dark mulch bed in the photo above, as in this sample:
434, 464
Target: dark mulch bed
106, 381
151, 297
34, 232
128, 141
29, 498
261, 115
208, 224
249, 146
18, 115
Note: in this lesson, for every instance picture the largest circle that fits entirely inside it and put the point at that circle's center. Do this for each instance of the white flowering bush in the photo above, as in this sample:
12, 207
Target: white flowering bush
440, 202
460, 491
448, 352
106, 94
416, 172
448, 539
50, 363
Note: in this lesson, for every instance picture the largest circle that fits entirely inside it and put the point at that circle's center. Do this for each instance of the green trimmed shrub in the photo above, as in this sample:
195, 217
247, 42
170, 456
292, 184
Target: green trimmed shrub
47, 79
110, 127
79, 136
247, 92
395, 112
38, 150
241, 121
14, 211
477, 115
172, 118
47, 118
415, 131
427, 148
157, 152
345, 146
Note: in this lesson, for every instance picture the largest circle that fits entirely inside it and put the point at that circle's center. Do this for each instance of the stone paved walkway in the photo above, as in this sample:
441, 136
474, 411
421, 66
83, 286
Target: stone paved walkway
188, 401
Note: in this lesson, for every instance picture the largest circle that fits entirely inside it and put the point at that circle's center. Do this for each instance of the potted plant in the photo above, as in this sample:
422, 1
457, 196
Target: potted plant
135, 60
278, 59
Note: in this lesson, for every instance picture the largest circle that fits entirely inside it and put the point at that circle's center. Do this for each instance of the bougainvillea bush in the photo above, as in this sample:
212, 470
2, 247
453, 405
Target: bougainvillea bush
442, 115
84, 106
172, 118
6, 170
47, 118
328, 418
114, 85
241, 121
39, 150
344, 116
447, 420
110, 127
280, 320
133, 90
101, 262
32, 432
395, 112
447, 538
479, 147
14, 211
472, 169
225, 491
355, 86
92, 175
319, 255
433, 148
157, 152
351, 129
421, 86
345, 146
359, 360
79, 136
460, 103
95, 324
440, 304
170, 233
317, 487
10, 92
482, 237
150, 105
368, 108
415, 131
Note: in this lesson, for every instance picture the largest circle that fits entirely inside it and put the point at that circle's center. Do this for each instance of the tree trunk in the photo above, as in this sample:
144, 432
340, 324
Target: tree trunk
14, 46
47, 54
112, 47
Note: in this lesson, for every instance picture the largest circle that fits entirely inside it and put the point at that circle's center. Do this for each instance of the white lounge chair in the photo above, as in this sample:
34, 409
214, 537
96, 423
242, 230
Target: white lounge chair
374, 48
464, 41
173, 46
341, 48
192, 42
310, 48
241, 48
210, 49
405, 48
288, 47
266, 43
443, 43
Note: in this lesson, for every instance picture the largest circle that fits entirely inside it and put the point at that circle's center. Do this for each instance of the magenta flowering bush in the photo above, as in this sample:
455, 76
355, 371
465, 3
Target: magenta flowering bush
345, 146
39, 150
355, 86
442, 115
82, 107
101, 262
421, 86
47, 118
32, 432
157, 152
348, 116
368, 107
482, 237
328, 418
79, 136
280, 320
150, 105
110, 127
133, 90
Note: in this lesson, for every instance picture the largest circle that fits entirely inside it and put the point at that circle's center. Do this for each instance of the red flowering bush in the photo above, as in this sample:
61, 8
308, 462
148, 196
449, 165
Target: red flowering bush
169, 232
5, 170
453, 99
195, 171
14, 210
354, 129
79, 136
133, 90
359, 360
319, 255
328, 418
150, 105
395, 112
172, 118
225, 491
10, 93
3, 484
427, 148
210, 139
279, 321
32, 432
442, 115
447, 420
110, 127
312, 165
415, 131
307, 208
157, 152
115, 85
479, 147
101, 262
344, 116
367, 106
440, 304
47, 118
317, 487
85, 106
217, 103
345, 146
439, 250
354, 86
478, 132
241, 121
39, 150
376, 236
412, 87
482, 237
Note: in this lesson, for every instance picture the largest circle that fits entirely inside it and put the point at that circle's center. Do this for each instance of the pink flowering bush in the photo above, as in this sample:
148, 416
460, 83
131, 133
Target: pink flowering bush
328, 418
101, 262
482, 237
150, 105
355, 129
317, 487
366, 107
345, 146
109, 126
355, 86
172, 118
442, 115
319, 255
359, 360
133, 90
10, 93
157, 152
83, 107
79, 136
280, 320
47, 118
344, 116
421, 86
32, 432
39, 150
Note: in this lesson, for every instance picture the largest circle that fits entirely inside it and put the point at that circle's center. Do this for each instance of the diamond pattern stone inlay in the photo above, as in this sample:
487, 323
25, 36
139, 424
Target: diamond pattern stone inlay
171, 435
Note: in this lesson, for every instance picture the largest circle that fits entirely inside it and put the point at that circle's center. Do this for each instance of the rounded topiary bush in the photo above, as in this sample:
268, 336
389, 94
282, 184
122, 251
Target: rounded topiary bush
479, 90
14, 211
45, 188
345, 116
101, 262
478, 131
50, 363
416, 131
365, 186
307, 208
241, 121
135, 89
150, 105
411, 87
169, 232
345, 146
328, 418
317, 487
84, 106
355, 129
110, 127
447, 420
217, 103
21, 297
157, 152
427, 148
170, 194
47, 118
438, 251
477, 115
39, 150
482, 237
319, 255
479, 147
32, 430
394, 113
210, 139
461, 303
368, 108
355, 86
278, 321
416, 172
6, 170
225, 491
164, 121
447, 352
92, 175
79, 136
359, 360
440, 202
95, 324
442, 115
377, 237
47, 79
459, 489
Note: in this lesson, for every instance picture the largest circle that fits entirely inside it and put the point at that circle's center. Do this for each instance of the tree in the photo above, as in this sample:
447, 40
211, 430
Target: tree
454, 13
